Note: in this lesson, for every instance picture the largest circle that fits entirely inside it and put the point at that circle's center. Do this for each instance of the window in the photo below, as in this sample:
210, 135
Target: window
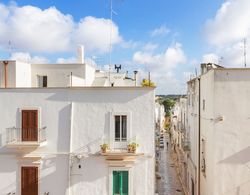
42, 81
120, 128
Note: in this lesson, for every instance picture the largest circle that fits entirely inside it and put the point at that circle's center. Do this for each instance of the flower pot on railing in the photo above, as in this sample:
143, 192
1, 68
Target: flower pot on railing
132, 147
104, 148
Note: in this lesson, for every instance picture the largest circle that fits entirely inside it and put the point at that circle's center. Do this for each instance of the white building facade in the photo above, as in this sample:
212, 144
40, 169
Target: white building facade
224, 141
218, 130
159, 117
52, 129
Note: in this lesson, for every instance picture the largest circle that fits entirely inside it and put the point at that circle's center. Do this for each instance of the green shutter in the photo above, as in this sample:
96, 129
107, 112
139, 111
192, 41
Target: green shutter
120, 182
125, 182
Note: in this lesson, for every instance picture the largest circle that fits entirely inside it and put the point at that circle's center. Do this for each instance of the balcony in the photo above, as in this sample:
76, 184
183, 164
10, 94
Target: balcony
121, 157
25, 138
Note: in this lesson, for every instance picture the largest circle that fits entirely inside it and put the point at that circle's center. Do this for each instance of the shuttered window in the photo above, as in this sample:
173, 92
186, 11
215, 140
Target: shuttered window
29, 125
120, 183
29, 179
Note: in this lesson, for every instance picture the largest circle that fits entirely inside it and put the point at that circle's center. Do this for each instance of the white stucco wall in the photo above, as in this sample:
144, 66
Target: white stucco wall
94, 109
55, 115
232, 135
192, 128
89, 75
23, 74
59, 75
81, 114
207, 131
225, 128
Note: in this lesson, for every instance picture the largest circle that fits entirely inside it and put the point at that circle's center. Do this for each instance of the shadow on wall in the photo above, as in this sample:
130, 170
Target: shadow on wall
87, 177
53, 170
63, 140
87, 149
8, 170
243, 188
241, 157
98, 96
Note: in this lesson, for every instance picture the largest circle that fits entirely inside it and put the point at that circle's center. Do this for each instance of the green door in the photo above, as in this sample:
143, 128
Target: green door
120, 182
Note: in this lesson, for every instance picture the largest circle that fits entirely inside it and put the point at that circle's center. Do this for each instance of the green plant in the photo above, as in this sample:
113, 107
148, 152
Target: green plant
132, 147
147, 83
104, 147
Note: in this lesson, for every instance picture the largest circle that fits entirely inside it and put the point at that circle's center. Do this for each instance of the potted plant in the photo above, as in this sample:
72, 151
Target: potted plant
104, 147
132, 147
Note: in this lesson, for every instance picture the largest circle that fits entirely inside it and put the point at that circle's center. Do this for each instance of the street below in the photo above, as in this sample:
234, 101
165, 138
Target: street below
167, 181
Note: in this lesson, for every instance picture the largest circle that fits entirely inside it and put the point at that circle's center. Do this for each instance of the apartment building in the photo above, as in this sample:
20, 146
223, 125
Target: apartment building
218, 133
54, 117
224, 131
193, 136
159, 117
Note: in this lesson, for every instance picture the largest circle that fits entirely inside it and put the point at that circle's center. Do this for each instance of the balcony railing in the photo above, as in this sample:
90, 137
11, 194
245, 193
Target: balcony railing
25, 137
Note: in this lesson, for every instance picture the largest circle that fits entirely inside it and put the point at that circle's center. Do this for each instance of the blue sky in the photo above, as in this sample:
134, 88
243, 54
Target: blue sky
170, 38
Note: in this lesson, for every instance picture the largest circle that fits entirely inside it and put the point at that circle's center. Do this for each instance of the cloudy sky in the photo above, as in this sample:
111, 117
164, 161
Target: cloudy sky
169, 38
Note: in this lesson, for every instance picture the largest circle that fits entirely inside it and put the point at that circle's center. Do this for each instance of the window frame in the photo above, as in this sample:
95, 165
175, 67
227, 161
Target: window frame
40, 80
115, 144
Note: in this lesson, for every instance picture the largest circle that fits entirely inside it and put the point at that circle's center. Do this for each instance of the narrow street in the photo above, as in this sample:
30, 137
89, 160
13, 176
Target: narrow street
168, 183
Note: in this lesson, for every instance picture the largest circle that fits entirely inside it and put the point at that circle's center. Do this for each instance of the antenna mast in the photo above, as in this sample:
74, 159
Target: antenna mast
110, 38
245, 52
10, 48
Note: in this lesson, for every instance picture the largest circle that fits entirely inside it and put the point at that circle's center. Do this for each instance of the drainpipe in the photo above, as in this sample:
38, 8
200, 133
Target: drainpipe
199, 135
5, 73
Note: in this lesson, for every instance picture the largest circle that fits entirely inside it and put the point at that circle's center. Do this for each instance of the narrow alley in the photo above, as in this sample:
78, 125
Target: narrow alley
167, 181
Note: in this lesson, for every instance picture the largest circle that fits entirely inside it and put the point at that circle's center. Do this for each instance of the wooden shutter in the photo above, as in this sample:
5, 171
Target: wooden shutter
29, 181
120, 183
29, 125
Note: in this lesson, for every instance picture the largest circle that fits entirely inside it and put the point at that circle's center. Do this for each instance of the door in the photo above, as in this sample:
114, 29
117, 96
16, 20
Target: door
29, 125
29, 181
120, 183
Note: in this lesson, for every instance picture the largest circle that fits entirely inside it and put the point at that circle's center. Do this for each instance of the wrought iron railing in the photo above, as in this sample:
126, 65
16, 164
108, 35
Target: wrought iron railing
15, 135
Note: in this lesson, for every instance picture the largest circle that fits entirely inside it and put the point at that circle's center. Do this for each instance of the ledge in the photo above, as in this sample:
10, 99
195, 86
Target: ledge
121, 158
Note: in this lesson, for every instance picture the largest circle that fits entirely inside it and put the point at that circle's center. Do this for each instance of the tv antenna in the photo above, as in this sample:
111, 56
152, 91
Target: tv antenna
110, 36
245, 52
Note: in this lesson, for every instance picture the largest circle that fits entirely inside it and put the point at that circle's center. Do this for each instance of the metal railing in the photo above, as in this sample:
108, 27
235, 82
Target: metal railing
15, 135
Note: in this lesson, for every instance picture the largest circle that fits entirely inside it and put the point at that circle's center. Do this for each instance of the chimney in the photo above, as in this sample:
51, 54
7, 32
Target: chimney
80, 54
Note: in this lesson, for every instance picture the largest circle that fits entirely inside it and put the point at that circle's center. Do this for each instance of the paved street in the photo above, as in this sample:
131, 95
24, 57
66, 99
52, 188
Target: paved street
168, 184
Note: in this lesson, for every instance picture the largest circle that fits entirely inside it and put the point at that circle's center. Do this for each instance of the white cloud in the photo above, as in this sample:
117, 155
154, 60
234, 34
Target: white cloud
32, 29
72, 60
66, 60
130, 44
210, 58
162, 66
150, 47
161, 31
226, 31
94, 33
230, 24
26, 57
161, 62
